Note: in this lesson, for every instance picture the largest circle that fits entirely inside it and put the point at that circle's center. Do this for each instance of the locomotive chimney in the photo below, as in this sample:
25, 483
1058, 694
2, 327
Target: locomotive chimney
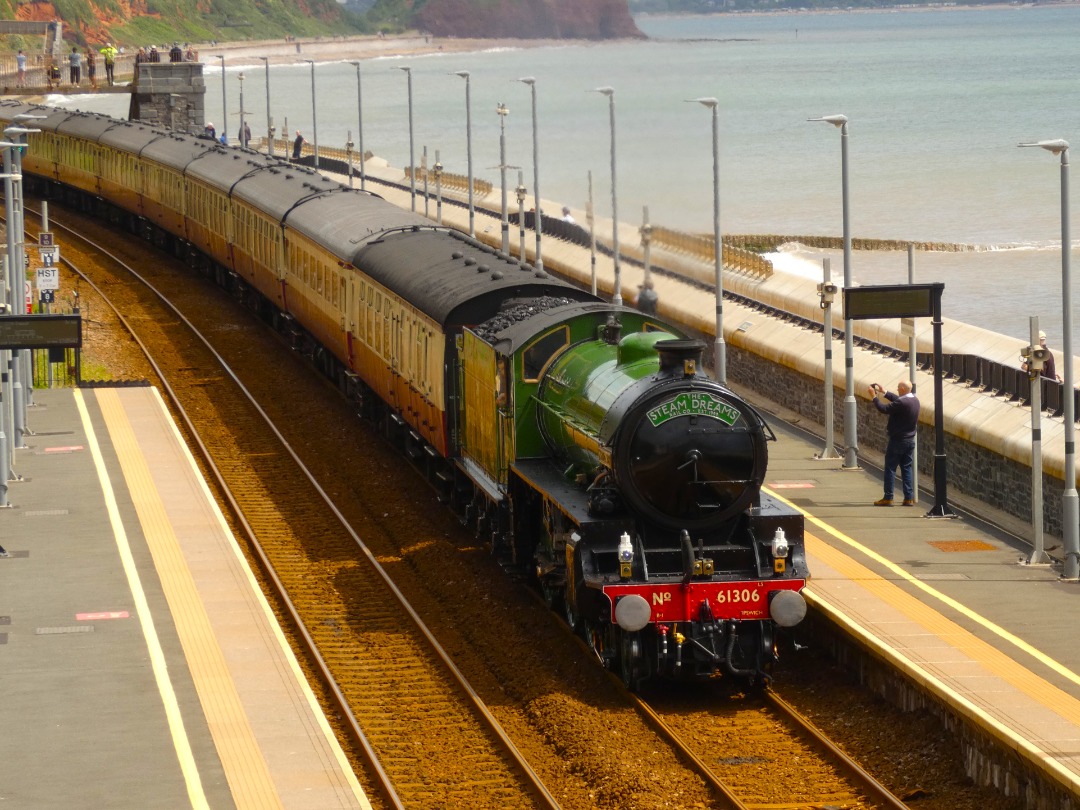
680, 356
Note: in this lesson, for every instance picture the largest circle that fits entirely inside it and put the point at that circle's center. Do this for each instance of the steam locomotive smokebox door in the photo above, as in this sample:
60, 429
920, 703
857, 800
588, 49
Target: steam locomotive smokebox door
690, 453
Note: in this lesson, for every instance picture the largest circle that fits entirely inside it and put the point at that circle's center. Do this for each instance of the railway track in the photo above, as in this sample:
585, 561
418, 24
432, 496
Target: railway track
396, 689
388, 676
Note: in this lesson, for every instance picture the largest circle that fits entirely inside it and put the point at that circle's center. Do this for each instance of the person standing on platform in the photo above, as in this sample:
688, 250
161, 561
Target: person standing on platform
903, 411
245, 135
1049, 368
108, 53
297, 145
20, 64
75, 66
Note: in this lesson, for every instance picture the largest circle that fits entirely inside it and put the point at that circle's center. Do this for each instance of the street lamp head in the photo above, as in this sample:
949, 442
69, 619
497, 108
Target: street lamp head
502, 109
462, 73
406, 68
19, 131
28, 117
355, 64
835, 120
265, 59
1056, 146
711, 103
605, 91
529, 80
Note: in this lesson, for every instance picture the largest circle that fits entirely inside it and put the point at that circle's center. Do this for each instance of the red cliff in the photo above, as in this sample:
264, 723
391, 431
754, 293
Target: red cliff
528, 19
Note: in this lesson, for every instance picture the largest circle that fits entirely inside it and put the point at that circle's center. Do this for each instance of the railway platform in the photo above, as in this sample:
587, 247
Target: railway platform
141, 665
951, 604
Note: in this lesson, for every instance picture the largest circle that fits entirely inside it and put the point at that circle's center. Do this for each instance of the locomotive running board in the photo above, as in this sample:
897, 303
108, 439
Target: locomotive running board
478, 476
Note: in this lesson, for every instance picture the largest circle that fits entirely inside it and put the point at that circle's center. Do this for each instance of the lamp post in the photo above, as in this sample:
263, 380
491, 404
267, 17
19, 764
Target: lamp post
269, 120
720, 347
851, 439
243, 141
360, 122
503, 111
538, 262
616, 297
468, 146
224, 108
412, 174
1070, 516
521, 192
314, 118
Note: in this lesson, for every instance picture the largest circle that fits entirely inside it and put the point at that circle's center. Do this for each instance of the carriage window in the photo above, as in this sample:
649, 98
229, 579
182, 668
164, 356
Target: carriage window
537, 356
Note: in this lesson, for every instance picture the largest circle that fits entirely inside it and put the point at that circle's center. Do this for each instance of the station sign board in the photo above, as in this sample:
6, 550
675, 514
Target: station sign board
891, 301
40, 331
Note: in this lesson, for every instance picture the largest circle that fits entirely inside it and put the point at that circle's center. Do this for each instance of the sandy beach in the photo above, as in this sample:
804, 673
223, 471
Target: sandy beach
325, 49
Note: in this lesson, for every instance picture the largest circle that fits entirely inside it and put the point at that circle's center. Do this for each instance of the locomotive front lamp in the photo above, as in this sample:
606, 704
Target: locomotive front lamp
626, 556
780, 551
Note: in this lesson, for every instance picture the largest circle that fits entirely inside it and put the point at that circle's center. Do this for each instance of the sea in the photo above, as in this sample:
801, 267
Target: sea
937, 100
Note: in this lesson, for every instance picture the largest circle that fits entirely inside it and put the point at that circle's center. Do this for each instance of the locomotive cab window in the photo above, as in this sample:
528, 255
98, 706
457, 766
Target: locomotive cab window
541, 352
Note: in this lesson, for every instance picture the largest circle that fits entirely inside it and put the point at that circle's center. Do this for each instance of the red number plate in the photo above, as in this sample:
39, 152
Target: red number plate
675, 602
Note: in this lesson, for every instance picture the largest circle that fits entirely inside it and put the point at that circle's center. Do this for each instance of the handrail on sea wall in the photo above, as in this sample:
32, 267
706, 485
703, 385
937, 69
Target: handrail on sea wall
700, 246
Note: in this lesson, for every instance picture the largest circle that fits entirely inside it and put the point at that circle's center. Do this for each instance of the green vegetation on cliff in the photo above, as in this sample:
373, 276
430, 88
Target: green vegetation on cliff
141, 22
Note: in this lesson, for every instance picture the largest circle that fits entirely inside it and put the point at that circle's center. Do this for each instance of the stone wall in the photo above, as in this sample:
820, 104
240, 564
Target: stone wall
170, 95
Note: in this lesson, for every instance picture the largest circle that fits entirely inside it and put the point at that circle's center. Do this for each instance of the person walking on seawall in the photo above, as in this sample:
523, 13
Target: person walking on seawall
91, 67
20, 63
108, 53
566, 216
903, 411
245, 135
75, 66
297, 144
1049, 369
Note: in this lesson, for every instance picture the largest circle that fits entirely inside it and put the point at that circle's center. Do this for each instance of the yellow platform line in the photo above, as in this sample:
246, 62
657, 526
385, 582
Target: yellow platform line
241, 757
142, 609
995, 661
959, 607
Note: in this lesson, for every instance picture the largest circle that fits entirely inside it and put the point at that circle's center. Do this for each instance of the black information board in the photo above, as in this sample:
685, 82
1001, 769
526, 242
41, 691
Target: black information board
891, 301
40, 331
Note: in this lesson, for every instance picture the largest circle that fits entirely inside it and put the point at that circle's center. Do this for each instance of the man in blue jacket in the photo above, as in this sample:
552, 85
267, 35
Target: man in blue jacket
903, 411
